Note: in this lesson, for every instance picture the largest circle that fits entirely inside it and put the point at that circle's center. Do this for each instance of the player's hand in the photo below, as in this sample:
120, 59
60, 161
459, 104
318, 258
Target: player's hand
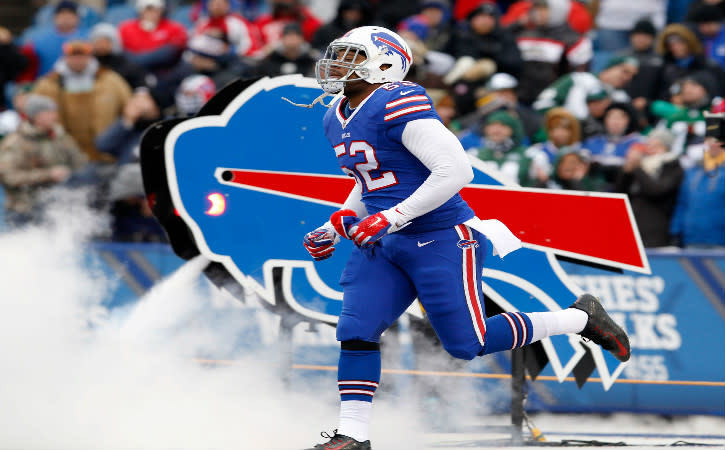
343, 220
370, 230
321, 242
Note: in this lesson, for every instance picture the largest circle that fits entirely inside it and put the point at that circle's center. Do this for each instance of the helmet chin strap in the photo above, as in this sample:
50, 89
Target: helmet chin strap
319, 99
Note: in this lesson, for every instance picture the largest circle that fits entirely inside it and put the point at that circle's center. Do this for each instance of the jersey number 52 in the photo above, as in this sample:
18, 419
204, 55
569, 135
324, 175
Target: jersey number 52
362, 169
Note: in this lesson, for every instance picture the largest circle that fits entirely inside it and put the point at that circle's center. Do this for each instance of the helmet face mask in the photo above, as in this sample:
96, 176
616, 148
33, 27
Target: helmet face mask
341, 56
387, 58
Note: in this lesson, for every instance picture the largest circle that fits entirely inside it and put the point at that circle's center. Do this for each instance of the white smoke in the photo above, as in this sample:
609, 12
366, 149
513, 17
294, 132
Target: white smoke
78, 376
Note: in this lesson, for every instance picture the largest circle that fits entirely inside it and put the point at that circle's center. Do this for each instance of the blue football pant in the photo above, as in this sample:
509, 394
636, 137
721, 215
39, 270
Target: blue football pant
443, 269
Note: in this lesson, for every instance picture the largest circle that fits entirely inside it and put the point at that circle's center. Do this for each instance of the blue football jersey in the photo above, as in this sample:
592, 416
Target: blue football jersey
368, 145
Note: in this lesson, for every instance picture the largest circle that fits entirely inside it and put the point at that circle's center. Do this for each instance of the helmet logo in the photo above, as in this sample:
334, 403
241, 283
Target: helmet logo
390, 46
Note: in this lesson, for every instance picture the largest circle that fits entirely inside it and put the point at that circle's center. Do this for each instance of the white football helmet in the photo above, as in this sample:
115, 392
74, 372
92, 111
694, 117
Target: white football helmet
378, 45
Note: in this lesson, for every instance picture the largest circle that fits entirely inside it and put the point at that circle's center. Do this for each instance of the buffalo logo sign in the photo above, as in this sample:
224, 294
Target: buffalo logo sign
251, 174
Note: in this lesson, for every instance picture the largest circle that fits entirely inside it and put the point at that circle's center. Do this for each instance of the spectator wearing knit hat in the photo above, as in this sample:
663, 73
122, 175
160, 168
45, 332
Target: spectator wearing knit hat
683, 55
502, 149
38, 155
614, 20
597, 101
292, 55
571, 90
643, 87
684, 114
549, 47
152, 40
609, 148
108, 51
562, 131
219, 19
573, 170
434, 16
709, 23
620, 132
47, 44
651, 177
283, 12
579, 17
207, 54
499, 93
483, 47
350, 14
89, 97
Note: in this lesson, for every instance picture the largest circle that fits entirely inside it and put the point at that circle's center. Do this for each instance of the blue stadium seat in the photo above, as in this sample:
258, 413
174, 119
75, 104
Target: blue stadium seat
182, 14
119, 13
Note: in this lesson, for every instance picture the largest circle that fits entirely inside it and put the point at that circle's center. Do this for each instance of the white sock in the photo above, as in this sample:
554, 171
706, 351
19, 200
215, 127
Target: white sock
354, 419
545, 324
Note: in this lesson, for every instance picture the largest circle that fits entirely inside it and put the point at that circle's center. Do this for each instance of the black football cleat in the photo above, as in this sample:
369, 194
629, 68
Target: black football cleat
601, 329
341, 442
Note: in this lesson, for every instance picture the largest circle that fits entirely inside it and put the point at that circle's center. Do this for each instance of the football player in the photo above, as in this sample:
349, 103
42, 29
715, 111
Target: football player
414, 235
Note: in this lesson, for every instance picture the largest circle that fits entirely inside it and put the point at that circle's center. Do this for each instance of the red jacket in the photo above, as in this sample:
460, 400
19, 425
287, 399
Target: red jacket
241, 33
137, 40
271, 26
579, 19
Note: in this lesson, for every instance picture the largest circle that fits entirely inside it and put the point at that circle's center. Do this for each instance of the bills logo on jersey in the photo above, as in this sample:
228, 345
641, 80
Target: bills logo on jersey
390, 46
467, 243
242, 196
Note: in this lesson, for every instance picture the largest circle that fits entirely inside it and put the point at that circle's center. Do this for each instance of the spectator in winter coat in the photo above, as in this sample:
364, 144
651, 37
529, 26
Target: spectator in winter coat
500, 93
486, 46
684, 115
208, 55
695, 4
643, 87
350, 14
243, 35
614, 19
293, 55
562, 131
698, 220
709, 21
38, 155
683, 55
152, 40
435, 17
609, 149
47, 44
597, 102
549, 48
502, 151
89, 97
571, 90
121, 139
572, 171
579, 18
283, 12
108, 51
651, 177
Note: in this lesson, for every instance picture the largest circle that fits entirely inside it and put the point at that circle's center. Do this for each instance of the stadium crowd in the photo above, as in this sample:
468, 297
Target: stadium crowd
601, 95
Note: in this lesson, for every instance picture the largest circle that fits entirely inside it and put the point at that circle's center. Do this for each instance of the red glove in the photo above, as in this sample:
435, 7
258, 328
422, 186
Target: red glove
370, 230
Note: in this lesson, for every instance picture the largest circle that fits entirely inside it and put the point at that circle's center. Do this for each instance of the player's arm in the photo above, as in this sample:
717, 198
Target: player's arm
442, 153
